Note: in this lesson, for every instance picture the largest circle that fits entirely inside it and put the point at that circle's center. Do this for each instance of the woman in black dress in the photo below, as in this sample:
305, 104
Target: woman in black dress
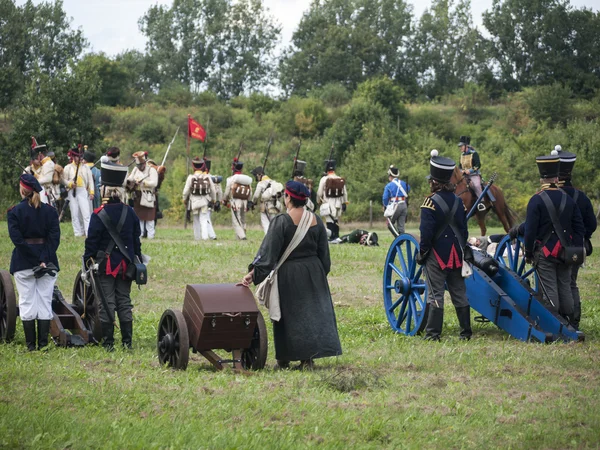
307, 328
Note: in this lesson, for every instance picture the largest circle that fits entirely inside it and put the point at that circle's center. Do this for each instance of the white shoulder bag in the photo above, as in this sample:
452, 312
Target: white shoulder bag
267, 292
392, 205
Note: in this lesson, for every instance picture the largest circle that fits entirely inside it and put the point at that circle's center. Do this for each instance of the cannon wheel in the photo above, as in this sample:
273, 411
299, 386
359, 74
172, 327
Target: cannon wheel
8, 307
255, 357
173, 342
91, 320
404, 291
514, 259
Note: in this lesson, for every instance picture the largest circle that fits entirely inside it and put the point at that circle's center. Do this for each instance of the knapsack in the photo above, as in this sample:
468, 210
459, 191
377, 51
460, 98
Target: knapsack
274, 189
334, 187
200, 186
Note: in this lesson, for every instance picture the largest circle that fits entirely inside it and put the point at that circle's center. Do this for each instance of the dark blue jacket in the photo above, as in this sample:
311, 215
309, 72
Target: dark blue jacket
538, 223
585, 207
446, 249
27, 222
98, 237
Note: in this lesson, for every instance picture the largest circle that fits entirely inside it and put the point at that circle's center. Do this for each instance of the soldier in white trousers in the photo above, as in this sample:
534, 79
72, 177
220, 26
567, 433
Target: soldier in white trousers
199, 194
267, 195
216, 206
333, 198
237, 193
78, 180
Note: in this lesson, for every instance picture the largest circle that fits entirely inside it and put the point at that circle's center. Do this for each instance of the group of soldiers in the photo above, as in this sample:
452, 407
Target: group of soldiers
202, 194
77, 185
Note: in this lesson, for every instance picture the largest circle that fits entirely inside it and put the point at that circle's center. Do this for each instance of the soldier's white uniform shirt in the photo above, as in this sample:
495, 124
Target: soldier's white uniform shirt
335, 203
269, 207
79, 202
199, 205
238, 207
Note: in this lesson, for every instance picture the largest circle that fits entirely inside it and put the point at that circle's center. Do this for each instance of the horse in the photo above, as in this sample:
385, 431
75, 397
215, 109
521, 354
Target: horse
506, 215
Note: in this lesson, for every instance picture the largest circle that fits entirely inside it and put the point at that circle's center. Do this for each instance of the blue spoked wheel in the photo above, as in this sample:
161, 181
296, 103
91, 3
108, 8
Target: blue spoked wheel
512, 255
404, 289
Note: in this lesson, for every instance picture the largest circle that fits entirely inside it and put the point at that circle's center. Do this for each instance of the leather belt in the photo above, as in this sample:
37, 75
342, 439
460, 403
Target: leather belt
35, 241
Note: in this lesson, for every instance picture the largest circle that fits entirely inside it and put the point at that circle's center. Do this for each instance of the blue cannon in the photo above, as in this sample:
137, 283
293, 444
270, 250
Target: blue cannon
507, 297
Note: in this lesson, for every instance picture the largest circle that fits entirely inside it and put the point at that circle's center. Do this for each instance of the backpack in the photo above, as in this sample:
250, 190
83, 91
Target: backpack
334, 187
273, 190
200, 186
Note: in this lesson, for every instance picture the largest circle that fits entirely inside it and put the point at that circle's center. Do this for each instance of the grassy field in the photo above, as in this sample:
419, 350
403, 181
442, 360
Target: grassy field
386, 391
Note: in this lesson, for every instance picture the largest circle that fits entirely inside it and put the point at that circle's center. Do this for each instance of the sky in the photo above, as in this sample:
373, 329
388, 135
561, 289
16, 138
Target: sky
111, 26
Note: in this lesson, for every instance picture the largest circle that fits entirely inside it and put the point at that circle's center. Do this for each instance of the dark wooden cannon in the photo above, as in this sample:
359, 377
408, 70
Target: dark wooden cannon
69, 326
214, 317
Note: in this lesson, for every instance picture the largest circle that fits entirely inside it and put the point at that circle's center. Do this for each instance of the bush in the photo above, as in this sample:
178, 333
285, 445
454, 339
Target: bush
260, 103
152, 132
312, 119
550, 103
332, 94
384, 92
174, 94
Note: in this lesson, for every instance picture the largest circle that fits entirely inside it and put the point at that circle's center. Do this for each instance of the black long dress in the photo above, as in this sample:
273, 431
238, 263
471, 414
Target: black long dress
307, 328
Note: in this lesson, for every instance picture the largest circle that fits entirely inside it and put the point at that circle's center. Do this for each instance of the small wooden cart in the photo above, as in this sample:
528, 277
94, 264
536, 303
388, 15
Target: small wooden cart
215, 316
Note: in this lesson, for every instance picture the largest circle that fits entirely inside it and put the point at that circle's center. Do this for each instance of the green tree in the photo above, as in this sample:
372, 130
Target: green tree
384, 92
114, 78
446, 47
347, 42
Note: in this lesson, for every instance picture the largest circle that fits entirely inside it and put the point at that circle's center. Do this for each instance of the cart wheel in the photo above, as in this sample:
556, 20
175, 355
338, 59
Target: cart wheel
8, 307
512, 256
255, 357
173, 340
404, 289
91, 319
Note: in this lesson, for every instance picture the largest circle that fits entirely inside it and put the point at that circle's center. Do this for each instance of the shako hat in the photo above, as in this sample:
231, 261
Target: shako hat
440, 167
567, 162
111, 173
393, 171
207, 163
237, 166
329, 165
299, 168
30, 183
89, 155
75, 151
258, 171
198, 163
140, 157
369, 239
464, 140
548, 165
113, 153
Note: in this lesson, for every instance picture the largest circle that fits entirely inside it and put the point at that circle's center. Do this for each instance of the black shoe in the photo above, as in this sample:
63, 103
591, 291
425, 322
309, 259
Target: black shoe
108, 331
464, 321
43, 328
126, 334
435, 321
30, 339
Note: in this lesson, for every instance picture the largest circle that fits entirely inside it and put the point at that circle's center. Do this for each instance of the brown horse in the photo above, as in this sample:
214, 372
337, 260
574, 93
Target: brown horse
506, 215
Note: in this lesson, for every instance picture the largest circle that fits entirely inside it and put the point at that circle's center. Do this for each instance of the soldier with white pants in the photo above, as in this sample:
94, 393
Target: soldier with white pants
141, 184
79, 181
333, 198
199, 192
267, 194
237, 192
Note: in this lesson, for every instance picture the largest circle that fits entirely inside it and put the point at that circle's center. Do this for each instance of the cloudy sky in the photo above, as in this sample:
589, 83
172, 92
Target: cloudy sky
111, 26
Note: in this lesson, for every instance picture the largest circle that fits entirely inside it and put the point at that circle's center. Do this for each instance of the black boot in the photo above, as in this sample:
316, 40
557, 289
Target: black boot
43, 328
435, 321
329, 226
464, 320
29, 329
126, 333
335, 231
108, 331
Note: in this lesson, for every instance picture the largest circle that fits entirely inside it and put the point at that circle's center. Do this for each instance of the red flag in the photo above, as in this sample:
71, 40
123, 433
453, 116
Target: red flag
34, 143
195, 130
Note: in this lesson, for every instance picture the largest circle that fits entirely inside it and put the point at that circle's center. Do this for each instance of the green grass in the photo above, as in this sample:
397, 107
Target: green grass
386, 391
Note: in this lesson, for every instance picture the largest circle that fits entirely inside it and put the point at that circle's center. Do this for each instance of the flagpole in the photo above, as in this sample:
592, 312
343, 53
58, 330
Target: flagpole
188, 146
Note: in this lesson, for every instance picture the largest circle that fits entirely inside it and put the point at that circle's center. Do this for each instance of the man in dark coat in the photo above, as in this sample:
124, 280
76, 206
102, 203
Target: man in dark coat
567, 162
100, 248
542, 245
444, 234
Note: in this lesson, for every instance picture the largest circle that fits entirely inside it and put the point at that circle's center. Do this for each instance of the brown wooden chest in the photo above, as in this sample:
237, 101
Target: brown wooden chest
219, 316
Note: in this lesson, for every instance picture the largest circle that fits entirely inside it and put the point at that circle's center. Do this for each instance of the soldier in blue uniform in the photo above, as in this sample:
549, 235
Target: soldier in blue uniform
542, 245
101, 249
35, 232
444, 234
396, 193
567, 162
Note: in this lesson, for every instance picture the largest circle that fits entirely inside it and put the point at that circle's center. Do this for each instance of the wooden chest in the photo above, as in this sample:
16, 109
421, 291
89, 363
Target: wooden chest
219, 316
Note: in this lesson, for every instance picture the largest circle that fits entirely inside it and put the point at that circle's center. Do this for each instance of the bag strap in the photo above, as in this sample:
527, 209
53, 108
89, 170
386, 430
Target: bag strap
301, 231
576, 195
554, 217
114, 234
400, 188
450, 219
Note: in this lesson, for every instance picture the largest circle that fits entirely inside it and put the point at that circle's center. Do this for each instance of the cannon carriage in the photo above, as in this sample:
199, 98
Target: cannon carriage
72, 325
505, 293
214, 317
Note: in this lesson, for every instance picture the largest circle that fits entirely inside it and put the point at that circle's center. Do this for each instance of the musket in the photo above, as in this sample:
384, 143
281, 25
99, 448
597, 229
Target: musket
331, 150
169, 147
267, 155
296, 158
237, 158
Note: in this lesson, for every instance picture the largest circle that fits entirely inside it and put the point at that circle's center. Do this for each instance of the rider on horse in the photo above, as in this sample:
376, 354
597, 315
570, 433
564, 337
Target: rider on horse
470, 165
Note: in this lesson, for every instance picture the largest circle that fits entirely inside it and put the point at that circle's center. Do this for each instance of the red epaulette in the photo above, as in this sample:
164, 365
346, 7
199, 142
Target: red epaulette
10, 209
98, 209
